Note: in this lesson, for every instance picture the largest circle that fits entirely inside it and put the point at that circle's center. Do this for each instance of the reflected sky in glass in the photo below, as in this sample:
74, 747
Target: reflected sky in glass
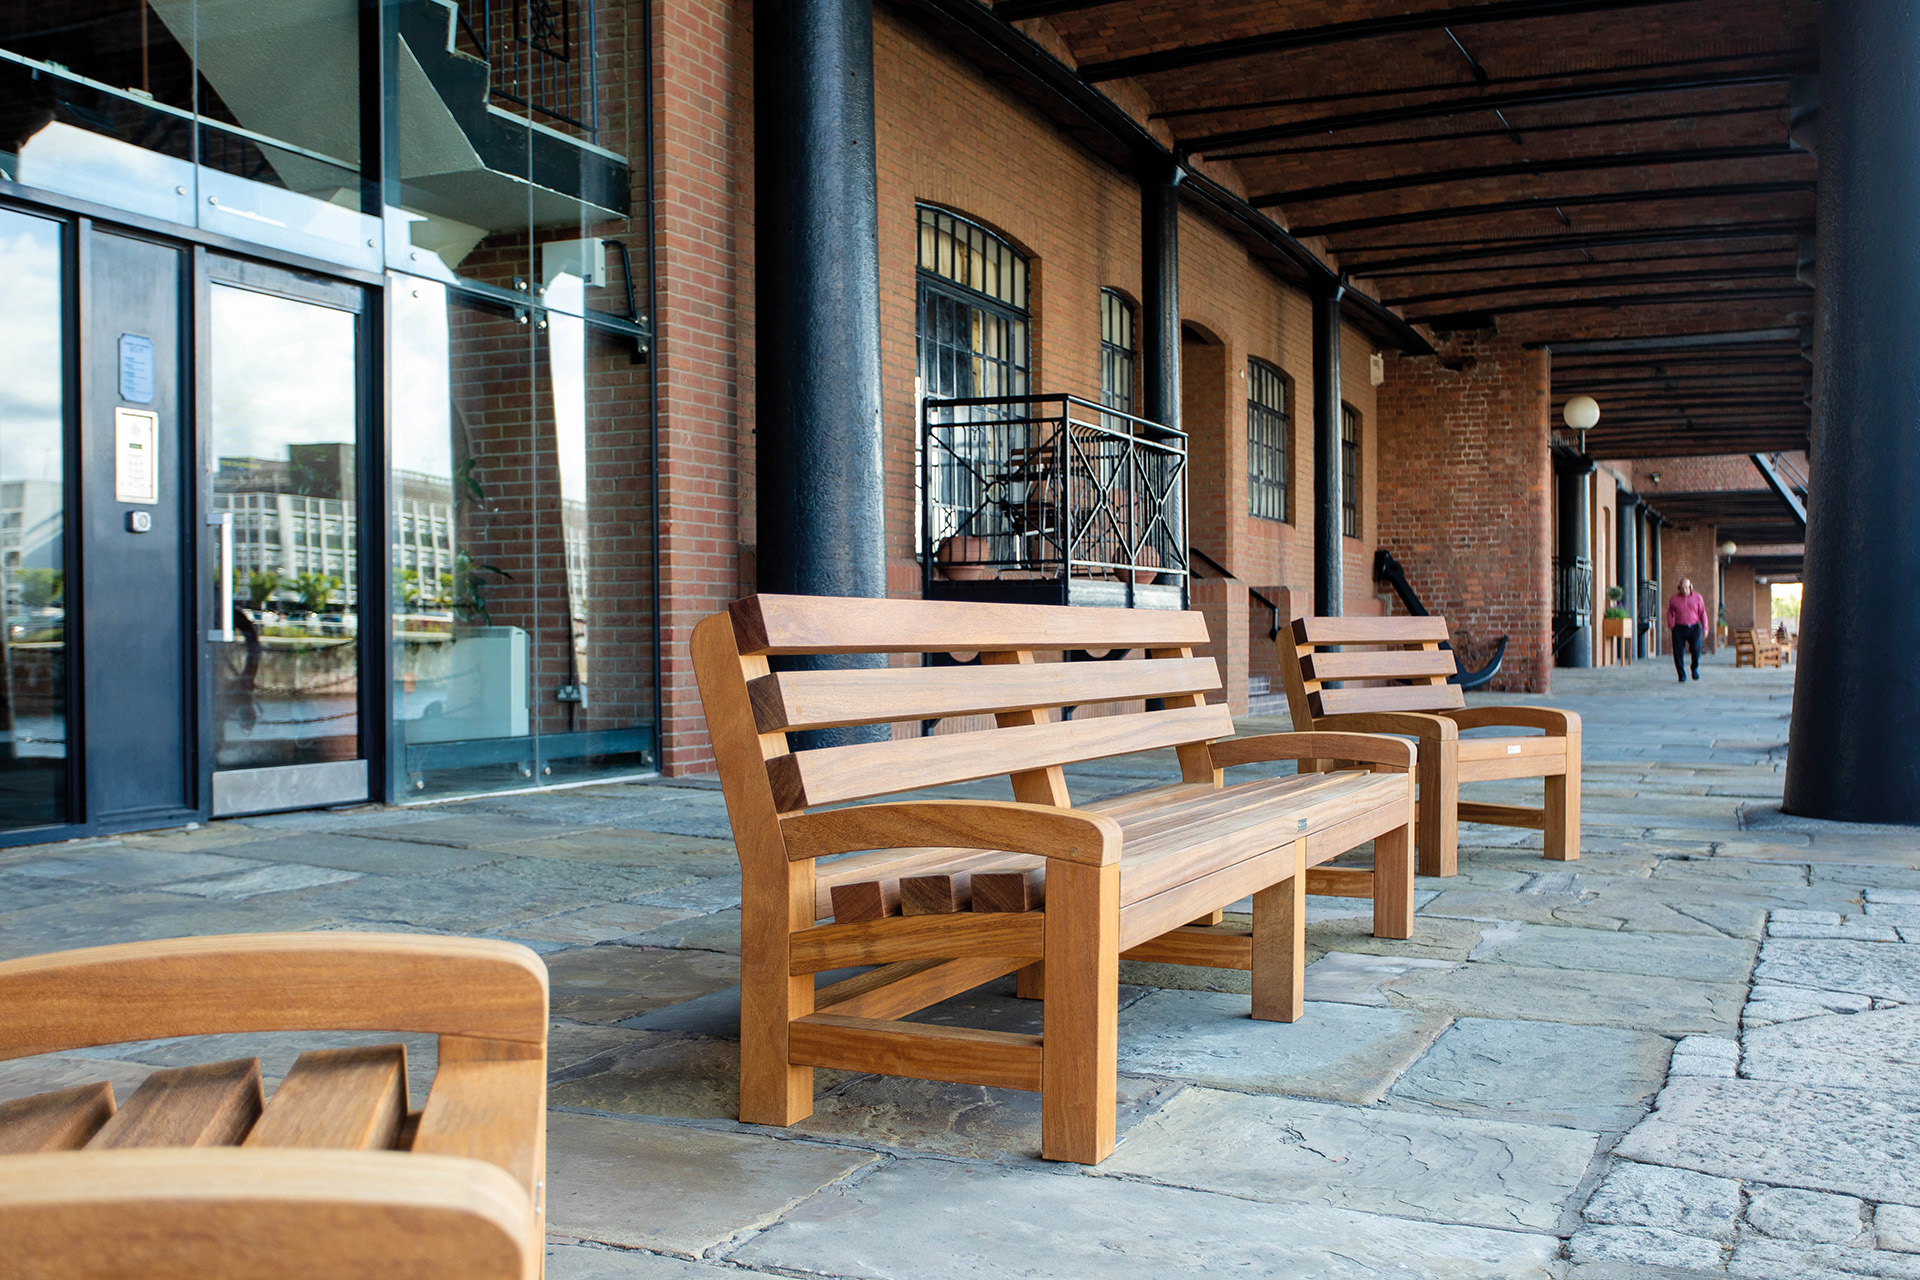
285, 374
30, 364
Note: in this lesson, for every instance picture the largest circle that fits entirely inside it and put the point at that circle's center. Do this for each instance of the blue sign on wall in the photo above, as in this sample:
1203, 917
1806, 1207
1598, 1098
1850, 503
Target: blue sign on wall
136, 368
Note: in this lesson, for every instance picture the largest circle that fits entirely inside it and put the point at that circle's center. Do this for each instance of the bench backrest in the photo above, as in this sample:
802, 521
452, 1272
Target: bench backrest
1319, 656
751, 709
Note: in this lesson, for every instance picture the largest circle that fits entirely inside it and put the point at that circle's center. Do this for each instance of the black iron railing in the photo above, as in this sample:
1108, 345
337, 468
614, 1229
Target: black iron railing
1051, 488
542, 56
1649, 603
1572, 599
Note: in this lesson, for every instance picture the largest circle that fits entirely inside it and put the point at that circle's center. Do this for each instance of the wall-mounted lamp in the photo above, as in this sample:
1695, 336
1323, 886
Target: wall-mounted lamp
1581, 413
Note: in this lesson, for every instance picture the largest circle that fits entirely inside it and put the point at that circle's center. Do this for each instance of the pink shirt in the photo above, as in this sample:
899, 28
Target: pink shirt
1687, 610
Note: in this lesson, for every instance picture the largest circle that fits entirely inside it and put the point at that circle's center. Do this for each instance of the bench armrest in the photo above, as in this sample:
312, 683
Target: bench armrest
1553, 721
471, 987
1411, 724
1393, 754
1042, 830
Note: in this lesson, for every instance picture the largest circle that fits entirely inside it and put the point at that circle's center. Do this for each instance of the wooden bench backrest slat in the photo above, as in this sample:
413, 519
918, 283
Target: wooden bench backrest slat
824, 699
1420, 697
1378, 664
830, 775
1364, 630
778, 625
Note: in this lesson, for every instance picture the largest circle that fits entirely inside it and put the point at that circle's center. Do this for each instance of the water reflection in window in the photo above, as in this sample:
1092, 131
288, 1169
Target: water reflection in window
33, 709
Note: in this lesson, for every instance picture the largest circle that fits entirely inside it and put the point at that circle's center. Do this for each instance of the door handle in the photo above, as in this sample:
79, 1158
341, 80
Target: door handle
223, 520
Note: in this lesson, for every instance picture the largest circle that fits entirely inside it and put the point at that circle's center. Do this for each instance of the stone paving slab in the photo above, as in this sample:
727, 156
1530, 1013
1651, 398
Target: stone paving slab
1872, 1051
1669, 1005
1708, 959
360, 853
1550, 1073
573, 1261
1352, 978
615, 983
1885, 971
143, 916
1648, 1195
1342, 1052
937, 1220
676, 1190
1441, 1168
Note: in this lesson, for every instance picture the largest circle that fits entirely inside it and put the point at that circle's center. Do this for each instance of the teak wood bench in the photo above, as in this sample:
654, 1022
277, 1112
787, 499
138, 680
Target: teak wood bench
197, 1176
1753, 648
1123, 876
1318, 656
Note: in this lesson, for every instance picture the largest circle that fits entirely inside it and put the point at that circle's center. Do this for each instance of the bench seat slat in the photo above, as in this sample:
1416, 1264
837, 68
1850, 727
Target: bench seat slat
830, 775
1364, 630
768, 624
60, 1121
340, 1099
491, 1110
1428, 697
210, 1105
826, 699
1377, 664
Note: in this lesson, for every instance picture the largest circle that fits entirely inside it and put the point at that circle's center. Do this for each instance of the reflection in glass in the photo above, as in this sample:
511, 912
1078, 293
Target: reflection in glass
33, 710
285, 414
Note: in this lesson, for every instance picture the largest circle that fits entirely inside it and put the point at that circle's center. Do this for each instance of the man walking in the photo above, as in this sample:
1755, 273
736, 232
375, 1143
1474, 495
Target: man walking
1686, 614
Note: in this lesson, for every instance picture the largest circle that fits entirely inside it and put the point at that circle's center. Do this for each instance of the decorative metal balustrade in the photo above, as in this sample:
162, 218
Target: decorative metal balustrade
1649, 603
542, 55
1572, 598
1051, 499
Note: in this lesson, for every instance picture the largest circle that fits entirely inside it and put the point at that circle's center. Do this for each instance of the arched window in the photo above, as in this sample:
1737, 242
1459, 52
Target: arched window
974, 337
1269, 441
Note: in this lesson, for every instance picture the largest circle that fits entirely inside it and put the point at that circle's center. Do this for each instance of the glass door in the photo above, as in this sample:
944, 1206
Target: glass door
284, 402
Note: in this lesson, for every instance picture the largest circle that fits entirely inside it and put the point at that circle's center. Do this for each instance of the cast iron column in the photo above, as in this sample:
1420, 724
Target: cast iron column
817, 295
1160, 287
1854, 752
1626, 558
1657, 633
1576, 542
1328, 537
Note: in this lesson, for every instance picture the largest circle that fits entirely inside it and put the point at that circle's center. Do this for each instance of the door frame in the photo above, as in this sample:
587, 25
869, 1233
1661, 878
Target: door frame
368, 304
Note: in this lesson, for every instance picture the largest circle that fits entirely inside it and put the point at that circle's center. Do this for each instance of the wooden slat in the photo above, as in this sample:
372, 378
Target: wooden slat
1078, 836
839, 946
1365, 630
896, 990
1225, 949
212, 1105
344, 1099
1503, 815
941, 893
1495, 768
862, 900
1340, 882
1419, 697
828, 624
823, 699
1377, 664
830, 775
962, 1055
1010, 891
488, 1110
61, 1121
1356, 830
1531, 747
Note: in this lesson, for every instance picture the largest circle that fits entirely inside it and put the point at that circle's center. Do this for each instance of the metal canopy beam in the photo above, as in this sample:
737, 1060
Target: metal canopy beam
1480, 100
1441, 320
1521, 169
1194, 55
1660, 195
1783, 272
1522, 245
1674, 341
1782, 490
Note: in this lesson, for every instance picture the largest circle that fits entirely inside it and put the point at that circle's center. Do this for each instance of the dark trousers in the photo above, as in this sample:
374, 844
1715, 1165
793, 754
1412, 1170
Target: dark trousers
1687, 639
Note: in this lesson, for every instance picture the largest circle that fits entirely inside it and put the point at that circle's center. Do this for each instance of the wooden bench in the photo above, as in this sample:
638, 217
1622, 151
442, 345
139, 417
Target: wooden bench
197, 1174
1753, 648
1123, 876
1321, 657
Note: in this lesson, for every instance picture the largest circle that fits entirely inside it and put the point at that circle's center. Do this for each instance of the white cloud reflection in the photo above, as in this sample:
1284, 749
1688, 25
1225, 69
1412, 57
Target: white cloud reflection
283, 374
30, 356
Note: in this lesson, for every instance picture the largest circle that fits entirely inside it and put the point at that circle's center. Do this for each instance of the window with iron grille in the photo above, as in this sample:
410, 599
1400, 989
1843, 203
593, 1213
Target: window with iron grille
1116, 352
973, 310
1349, 471
1269, 441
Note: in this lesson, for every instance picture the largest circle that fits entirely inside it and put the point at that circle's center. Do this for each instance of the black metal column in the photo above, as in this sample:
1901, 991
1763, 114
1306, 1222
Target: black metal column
1576, 561
1329, 577
1855, 745
1657, 633
1160, 289
821, 492
1626, 562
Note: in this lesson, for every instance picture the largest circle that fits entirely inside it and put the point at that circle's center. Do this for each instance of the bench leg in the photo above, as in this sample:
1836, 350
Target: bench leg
772, 1089
1081, 1046
1439, 770
1030, 983
1280, 945
1563, 807
1392, 885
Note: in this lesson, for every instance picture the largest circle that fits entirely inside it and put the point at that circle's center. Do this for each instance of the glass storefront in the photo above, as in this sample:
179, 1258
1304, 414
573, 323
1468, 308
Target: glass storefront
496, 373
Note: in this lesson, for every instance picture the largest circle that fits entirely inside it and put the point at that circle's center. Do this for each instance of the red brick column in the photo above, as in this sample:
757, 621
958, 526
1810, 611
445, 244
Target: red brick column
1464, 497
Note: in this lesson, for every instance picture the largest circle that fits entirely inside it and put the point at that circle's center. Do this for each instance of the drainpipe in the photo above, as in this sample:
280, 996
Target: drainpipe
1160, 290
1328, 538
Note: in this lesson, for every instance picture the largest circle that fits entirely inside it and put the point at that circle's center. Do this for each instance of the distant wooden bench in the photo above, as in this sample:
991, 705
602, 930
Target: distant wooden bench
197, 1174
1123, 876
1320, 657
1753, 648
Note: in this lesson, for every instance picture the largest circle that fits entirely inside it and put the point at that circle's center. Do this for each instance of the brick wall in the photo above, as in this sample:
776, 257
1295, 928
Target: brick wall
1691, 553
1464, 496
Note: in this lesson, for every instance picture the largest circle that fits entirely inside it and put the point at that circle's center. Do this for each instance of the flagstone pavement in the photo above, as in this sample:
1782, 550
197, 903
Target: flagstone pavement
1693, 1052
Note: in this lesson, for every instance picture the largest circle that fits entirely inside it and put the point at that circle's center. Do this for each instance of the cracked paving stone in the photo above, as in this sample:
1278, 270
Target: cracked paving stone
1648, 1195
675, 1190
1647, 1246
1357, 979
1672, 1006
978, 1222
1872, 1051
1488, 1173
606, 922
611, 983
1539, 1073
1889, 971
968, 1121
1344, 1052
1659, 954
1817, 1217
